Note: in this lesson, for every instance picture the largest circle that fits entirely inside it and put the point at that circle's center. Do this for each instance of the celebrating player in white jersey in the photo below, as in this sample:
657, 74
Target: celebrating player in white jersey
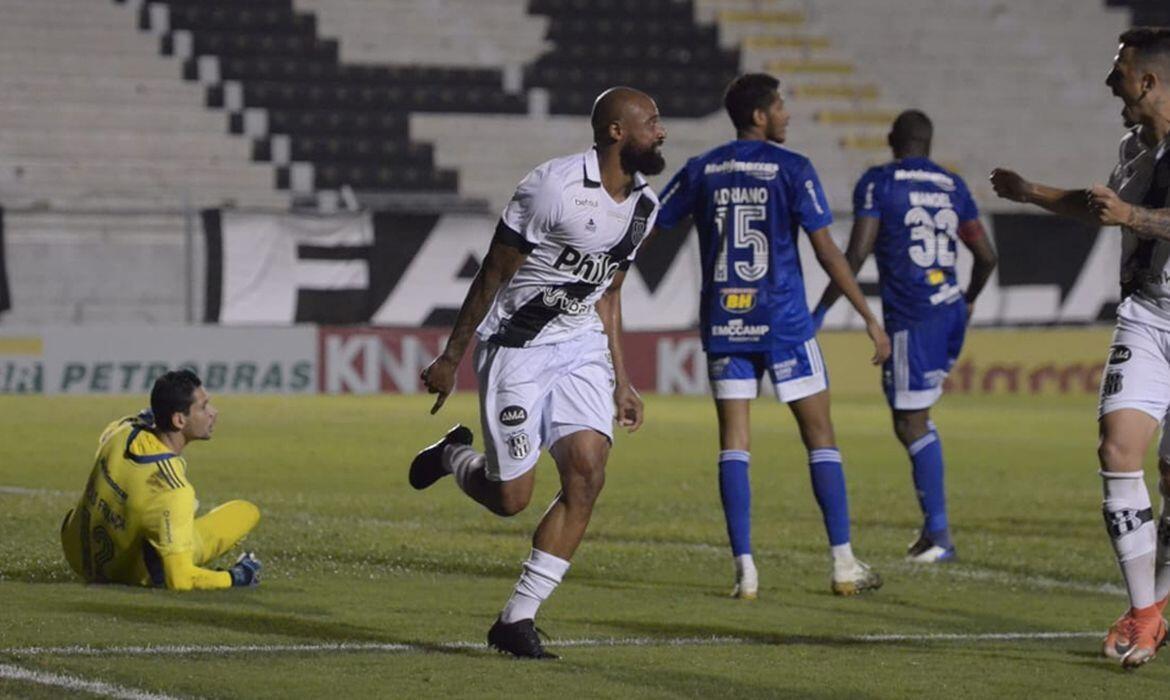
1135, 390
549, 359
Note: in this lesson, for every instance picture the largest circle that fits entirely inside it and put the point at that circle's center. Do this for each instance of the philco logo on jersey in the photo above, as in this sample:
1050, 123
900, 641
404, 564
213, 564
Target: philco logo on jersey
513, 415
595, 269
1119, 354
737, 301
737, 330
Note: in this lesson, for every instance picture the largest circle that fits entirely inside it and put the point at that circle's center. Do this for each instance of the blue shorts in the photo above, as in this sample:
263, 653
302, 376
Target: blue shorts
797, 371
922, 356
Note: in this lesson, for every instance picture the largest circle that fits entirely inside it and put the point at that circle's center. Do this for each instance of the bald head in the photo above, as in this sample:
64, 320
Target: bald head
618, 104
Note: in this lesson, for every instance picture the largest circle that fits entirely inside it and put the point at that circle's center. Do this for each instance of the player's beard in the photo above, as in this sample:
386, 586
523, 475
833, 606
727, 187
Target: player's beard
648, 161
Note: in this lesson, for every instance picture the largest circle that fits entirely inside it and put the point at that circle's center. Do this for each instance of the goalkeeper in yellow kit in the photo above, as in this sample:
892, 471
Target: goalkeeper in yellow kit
135, 524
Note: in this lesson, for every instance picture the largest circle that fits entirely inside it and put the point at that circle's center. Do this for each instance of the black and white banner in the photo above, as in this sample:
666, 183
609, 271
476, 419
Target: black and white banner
413, 270
5, 298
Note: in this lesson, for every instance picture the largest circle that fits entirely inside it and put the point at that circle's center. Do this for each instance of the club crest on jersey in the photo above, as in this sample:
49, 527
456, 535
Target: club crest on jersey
513, 416
518, 445
737, 301
1119, 354
638, 229
1112, 383
590, 226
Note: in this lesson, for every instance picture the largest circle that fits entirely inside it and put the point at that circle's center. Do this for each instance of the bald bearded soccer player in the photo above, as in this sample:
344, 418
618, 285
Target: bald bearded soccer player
546, 308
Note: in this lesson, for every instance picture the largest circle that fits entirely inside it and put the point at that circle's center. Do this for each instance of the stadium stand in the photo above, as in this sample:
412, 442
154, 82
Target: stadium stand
93, 116
285, 87
847, 80
1145, 12
660, 48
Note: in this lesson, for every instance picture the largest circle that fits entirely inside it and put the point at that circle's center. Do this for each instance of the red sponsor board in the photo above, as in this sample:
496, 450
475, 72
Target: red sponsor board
357, 360
361, 360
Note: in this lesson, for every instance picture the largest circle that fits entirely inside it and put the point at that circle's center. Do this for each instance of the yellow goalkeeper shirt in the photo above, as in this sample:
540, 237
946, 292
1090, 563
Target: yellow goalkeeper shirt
135, 523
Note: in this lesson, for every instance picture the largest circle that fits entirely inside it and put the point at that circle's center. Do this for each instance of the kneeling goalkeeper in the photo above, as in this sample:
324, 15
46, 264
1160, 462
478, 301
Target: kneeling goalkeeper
135, 524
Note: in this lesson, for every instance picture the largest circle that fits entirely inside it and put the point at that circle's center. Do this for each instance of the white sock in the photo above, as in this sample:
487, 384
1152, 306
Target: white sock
462, 462
1130, 522
542, 573
745, 564
1162, 565
842, 554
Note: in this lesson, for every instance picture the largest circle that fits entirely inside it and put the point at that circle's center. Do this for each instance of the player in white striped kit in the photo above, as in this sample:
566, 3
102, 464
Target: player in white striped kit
1135, 390
549, 360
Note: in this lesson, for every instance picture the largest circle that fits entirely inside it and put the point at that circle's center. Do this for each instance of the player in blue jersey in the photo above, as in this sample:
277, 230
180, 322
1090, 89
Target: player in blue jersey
911, 213
748, 200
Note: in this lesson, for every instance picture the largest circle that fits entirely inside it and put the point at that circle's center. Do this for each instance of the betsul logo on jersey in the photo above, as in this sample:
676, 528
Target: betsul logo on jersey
512, 416
737, 331
737, 301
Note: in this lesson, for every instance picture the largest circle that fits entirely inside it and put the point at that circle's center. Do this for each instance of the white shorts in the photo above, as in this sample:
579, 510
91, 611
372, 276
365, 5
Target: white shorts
1137, 371
797, 371
529, 397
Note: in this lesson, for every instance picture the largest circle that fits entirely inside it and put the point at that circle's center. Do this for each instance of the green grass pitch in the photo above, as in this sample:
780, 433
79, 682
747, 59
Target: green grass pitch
354, 558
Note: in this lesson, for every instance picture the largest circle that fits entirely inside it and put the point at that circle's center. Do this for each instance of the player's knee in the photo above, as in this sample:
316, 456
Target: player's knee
1115, 455
511, 501
909, 428
818, 435
584, 482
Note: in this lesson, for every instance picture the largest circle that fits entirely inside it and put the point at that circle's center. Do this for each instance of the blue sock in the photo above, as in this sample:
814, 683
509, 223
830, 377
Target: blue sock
927, 457
736, 493
828, 482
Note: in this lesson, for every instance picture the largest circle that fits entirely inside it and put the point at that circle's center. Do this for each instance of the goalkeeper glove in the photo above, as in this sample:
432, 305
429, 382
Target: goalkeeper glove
246, 571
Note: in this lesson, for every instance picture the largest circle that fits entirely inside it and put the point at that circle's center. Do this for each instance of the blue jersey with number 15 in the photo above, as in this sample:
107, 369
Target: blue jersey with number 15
921, 206
749, 200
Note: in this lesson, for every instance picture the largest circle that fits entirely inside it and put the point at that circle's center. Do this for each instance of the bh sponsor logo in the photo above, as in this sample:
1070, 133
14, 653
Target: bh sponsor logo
737, 301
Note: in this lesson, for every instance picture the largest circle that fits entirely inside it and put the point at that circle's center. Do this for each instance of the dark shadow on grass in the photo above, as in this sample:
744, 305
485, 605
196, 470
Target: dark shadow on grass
253, 622
682, 684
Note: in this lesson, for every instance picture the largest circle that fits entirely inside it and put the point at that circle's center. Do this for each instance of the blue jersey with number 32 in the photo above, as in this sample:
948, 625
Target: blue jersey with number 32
921, 206
749, 200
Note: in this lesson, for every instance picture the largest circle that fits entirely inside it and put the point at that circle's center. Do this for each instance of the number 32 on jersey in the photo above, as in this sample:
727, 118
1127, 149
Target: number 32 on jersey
934, 237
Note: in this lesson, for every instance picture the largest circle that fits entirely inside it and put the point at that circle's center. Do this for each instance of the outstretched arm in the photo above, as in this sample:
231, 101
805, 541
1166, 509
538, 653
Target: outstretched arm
506, 254
837, 267
1111, 210
861, 242
625, 397
182, 574
1074, 204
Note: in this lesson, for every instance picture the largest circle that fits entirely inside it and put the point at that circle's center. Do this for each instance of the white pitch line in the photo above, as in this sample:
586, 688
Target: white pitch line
22, 491
60, 680
985, 637
229, 649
